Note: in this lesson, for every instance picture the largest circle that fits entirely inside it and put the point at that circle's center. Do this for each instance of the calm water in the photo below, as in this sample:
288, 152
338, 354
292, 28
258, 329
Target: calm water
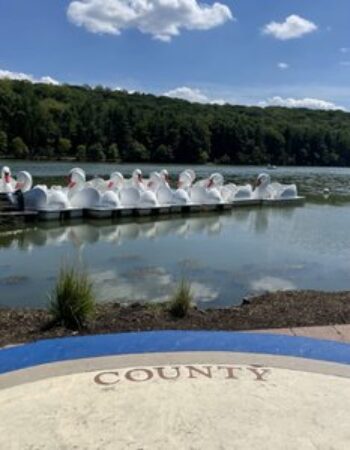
225, 256
311, 180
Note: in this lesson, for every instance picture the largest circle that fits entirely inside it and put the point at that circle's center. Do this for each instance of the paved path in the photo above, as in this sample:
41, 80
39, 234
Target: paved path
177, 389
340, 333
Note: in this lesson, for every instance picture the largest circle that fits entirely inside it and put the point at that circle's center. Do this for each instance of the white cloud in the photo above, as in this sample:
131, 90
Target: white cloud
192, 95
47, 80
26, 77
344, 50
311, 103
128, 91
283, 66
272, 284
145, 284
345, 63
189, 94
293, 27
163, 19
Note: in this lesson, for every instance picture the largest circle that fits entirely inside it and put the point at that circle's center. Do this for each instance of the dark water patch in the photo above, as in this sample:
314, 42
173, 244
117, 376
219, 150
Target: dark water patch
191, 264
126, 258
13, 280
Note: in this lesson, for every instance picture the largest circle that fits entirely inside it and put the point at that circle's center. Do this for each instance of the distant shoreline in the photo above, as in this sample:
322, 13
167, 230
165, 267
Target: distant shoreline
97, 124
169, 163
270, 310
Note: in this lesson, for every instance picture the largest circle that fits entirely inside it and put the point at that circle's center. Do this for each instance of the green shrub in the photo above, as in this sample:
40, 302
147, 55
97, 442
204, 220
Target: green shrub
72, 300
181, 300
19, 148
112, 153
81, 152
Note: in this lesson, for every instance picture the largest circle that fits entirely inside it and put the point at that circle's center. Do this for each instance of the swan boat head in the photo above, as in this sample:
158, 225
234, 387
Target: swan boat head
165, 176
155, 181
6, 173
215, 180
137, 175
137, 179
265, 189
263, 180
7, 182
186, 179
24, 181
261, 186
76, 178
192, 174
116, 181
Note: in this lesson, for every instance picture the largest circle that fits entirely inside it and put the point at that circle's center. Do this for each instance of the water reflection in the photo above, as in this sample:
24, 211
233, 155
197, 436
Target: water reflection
225, 256
82, 234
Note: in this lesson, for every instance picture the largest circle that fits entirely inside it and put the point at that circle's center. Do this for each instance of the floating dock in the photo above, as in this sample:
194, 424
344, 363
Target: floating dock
9, 214
11, 219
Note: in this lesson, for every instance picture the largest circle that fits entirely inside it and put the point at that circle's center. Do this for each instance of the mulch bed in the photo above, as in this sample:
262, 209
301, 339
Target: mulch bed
274, 310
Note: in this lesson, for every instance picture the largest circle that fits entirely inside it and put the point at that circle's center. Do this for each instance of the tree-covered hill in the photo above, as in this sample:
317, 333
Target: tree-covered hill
47, 121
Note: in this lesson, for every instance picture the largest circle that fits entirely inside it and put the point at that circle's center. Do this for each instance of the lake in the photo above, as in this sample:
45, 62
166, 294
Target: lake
225, 256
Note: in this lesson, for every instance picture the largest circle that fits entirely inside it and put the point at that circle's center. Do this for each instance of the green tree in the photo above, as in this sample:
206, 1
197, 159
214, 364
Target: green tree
194, 143
81, 152
225, 159
3, 142
19, 148
64, 146
137, 152
274, 144
52, 121
112, 153
163, 154
95, 153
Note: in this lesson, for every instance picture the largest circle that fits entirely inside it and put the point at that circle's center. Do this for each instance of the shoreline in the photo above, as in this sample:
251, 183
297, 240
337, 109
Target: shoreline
282, 309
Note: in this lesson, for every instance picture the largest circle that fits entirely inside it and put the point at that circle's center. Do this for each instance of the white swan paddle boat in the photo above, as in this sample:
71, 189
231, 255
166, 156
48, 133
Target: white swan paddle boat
11, 189
276, 193
136, 196
124, 197
9, 184
57, 202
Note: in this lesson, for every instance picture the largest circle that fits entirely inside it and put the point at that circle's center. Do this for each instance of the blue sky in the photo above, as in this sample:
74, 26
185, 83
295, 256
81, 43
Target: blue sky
290, 52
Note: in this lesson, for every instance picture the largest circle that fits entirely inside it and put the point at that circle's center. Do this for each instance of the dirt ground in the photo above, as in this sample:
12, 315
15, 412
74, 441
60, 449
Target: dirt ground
273, 310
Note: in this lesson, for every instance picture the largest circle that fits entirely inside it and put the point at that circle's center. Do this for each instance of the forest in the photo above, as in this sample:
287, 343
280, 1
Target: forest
42, 121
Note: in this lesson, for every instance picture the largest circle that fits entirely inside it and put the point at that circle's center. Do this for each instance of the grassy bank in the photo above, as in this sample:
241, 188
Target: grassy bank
277, 310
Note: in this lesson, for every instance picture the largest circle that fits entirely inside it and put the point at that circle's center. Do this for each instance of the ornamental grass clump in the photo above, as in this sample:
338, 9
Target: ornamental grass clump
72, 301
181, 300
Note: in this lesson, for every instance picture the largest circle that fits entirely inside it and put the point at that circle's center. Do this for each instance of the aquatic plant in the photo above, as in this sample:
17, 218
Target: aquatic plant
181, 300
72, 300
